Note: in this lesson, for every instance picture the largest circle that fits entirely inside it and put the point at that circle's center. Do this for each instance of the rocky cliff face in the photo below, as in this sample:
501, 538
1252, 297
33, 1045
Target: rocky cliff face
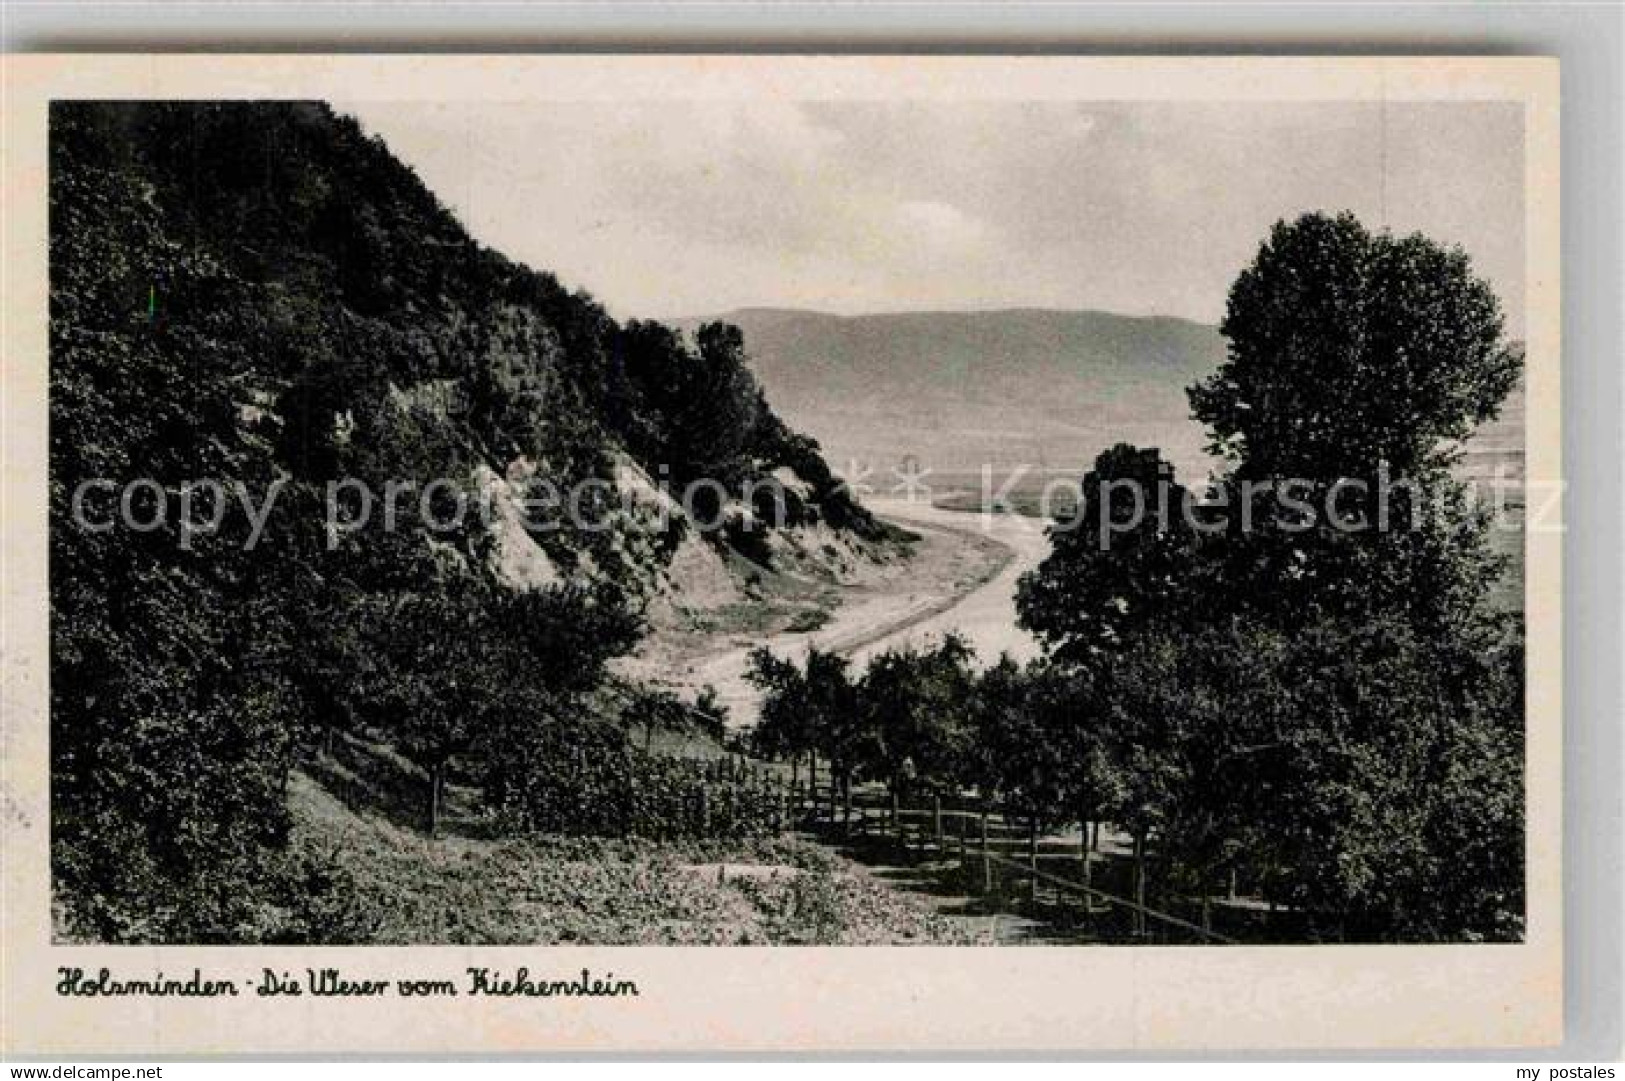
364, 335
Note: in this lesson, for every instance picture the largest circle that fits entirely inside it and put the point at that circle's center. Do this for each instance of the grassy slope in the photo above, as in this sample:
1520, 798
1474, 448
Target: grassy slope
468, 890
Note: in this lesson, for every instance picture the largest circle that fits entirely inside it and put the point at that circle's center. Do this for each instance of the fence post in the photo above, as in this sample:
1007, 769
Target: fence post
435, 786
936, 820
1086, 850
812, 784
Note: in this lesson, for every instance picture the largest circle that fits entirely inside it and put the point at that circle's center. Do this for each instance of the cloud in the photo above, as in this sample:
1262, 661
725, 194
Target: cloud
684, 207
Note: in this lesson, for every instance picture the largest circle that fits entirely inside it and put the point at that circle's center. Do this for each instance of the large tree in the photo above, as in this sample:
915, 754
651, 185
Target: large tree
466, 664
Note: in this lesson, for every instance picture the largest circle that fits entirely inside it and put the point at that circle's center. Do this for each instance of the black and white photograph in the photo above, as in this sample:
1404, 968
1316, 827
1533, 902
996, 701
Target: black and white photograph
787, 522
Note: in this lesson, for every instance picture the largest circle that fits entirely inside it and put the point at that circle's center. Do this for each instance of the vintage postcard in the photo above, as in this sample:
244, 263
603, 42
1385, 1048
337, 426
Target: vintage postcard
762, 553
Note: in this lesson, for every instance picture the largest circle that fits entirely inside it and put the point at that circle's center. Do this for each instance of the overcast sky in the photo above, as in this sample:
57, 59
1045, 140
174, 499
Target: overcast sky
677, 208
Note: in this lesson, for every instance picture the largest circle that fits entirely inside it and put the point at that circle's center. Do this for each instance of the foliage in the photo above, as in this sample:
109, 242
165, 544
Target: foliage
467, 665
258, 294
1328, 764
1125, 557
537, 890
588, 779
172, 710
786, 725
1035, 747
711, 714
1328, 712
694, 412
906, 721
1357, 364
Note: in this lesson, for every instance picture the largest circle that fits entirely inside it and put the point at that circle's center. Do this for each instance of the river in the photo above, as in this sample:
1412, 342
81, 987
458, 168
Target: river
984, 614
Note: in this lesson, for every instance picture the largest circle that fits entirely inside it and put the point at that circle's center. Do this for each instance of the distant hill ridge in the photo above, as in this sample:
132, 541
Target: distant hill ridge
1039, 387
